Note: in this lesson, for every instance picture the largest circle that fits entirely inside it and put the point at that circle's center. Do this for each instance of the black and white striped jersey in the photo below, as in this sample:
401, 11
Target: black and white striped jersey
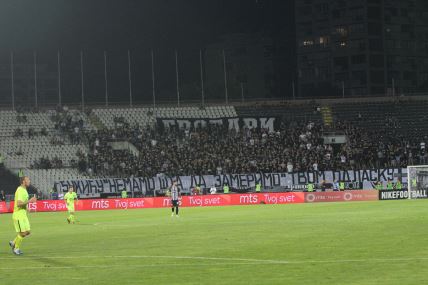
174, 193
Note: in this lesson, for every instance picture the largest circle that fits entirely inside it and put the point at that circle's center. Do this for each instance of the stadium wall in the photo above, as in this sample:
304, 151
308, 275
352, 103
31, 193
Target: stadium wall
201, 201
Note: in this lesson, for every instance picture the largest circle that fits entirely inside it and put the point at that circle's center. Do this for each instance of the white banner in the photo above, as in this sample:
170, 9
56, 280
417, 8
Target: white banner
94, 187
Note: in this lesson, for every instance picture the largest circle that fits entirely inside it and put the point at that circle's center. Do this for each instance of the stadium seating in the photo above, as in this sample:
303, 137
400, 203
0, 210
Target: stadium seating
146, 116
22, 152
300, 112
36, 121
395, 122
407, 117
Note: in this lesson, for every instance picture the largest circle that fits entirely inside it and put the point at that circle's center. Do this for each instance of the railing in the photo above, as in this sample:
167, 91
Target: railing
232, 101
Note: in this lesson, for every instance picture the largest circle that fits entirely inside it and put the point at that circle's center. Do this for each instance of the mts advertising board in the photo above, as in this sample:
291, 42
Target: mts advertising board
160, 202
3, 207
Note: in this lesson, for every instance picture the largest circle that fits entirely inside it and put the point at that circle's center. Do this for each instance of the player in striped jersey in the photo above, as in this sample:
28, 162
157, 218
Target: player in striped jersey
175, 197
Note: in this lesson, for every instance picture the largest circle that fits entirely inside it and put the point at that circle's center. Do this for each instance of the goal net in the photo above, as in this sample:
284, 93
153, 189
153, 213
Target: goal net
417, 181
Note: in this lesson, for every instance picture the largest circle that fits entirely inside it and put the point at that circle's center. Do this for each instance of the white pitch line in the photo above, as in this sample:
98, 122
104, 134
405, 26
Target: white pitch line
258, 261
37, 257
105, 225
203, 258
128, 266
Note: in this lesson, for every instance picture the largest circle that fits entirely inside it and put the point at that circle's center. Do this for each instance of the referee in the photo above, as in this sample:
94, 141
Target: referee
175, 196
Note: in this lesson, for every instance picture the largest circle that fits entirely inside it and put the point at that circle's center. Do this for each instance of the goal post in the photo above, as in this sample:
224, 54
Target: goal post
417, 181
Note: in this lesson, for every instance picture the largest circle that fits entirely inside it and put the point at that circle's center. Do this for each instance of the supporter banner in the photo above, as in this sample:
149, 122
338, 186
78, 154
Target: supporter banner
231, 123
161, 202
402, 194
288, 181
342, 196
3, 207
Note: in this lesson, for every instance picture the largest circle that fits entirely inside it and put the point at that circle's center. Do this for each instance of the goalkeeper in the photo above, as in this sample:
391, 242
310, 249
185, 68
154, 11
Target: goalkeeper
19, 217
69, 198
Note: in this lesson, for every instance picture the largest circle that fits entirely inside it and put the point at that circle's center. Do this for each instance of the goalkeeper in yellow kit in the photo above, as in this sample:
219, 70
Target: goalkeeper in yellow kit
19, 217
69, 198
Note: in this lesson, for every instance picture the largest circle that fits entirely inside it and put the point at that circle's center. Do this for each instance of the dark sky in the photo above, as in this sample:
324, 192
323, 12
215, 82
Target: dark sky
115, 26
119, 24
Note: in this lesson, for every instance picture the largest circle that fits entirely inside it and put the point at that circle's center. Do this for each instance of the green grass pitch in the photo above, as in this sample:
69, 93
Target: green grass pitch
324, 243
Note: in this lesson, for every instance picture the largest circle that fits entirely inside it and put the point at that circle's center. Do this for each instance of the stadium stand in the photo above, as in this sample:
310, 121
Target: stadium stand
27, 152
68, 144
12, 120
289, 112
42, 140
147, 116
405, 117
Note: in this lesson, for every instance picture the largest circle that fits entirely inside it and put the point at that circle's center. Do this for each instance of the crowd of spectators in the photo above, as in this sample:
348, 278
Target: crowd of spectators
69, 123
294, 146
46, 163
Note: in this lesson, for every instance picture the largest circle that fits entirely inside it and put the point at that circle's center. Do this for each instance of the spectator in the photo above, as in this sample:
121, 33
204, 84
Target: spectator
213, 190
31, 133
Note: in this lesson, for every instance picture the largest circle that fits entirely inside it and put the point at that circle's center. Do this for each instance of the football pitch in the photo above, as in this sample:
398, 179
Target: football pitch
324, 243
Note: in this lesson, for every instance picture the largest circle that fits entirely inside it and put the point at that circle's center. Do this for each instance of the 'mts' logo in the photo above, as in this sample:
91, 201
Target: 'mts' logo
248, 199
32, 207
100, 204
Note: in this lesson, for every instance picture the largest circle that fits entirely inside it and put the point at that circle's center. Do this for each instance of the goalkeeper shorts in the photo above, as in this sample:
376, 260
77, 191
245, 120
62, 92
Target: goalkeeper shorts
22, 225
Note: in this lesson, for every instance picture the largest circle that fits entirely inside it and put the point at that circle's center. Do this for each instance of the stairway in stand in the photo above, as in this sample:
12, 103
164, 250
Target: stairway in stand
327, 116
